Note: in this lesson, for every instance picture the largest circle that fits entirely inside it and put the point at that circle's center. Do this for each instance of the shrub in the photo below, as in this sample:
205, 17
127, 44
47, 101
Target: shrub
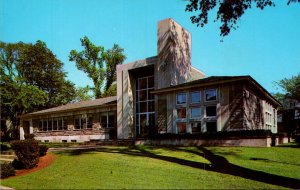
4, 146
7, 170
42, 150
27, 152
29, 136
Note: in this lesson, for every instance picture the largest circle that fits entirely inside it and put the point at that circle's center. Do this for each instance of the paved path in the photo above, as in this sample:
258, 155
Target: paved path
5, 188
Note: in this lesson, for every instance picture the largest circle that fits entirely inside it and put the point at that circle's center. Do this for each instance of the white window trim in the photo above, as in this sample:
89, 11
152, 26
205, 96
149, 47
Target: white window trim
210, 90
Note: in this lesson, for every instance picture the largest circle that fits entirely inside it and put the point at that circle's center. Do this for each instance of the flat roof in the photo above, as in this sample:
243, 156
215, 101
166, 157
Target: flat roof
74, 106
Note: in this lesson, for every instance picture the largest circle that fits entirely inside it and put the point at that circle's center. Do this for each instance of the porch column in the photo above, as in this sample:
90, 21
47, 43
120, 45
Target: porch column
30, 126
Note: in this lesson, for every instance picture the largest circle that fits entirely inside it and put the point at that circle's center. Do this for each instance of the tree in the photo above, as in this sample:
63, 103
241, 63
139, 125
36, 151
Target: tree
31, 78
291, 87
228, 13
40, 67
99, 64
82, 94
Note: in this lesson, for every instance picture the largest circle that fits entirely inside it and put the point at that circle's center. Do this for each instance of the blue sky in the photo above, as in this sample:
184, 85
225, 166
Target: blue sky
265, 46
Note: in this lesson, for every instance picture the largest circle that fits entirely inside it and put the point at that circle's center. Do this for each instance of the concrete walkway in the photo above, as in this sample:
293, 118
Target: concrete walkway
5, 188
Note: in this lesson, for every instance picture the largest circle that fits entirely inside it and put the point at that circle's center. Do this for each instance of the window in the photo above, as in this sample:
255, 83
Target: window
111, 119
181, 98
89, 121
54, 122
65, 123
211, 127
195, 112
196, 127
210, 95
181, 113
108, 119
211, 111
181, 127
45, 125
80, 122
195, 97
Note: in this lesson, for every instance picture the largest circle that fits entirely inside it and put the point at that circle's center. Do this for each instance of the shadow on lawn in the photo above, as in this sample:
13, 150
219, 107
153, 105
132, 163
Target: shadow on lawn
218, 164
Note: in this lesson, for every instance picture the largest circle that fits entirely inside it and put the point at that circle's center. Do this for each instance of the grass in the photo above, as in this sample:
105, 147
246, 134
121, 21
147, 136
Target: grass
167, 168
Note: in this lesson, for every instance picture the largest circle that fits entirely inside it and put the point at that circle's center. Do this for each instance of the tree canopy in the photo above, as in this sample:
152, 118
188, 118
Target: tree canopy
99, 64
228, 11
31, 78
291, 87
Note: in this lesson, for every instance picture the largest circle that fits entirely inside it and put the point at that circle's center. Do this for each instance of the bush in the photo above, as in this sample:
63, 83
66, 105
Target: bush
27, 152
4, 146
7, 170
42, 150
29, 136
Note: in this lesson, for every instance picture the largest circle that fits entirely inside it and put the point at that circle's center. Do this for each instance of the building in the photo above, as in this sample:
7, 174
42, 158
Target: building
158, 95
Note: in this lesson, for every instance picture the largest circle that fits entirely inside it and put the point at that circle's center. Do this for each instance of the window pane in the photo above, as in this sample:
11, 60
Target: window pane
50, 125
45, 125
211, 127
211, 95
181, 127
196, 127
77, 121
150, 106
65, 123
142, 95
54, 124
211, 111
104, 120
150, 82
150, 96
89, 121
181, 98
111, 119
195, 97
143, 107
60, 127
181, 113
41, 125
195, 112
142, 83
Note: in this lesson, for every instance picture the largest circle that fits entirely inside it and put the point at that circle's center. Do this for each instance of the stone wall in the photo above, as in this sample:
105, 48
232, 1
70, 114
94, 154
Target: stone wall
174, 54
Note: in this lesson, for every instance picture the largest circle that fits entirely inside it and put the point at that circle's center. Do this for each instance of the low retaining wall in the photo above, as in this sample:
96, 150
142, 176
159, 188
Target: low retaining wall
254, 142
75, 138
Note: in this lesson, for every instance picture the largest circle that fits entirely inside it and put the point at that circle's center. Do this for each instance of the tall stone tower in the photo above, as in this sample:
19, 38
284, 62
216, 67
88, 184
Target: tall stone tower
174, 54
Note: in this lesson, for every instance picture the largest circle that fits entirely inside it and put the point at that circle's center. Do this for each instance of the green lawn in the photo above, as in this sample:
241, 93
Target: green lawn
167, 168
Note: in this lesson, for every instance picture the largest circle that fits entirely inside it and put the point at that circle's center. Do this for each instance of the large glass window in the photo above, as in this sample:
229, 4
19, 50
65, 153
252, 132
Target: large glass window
195, 97
195, 112
211, 95
181, 98
211, 111
144, 105
54, 124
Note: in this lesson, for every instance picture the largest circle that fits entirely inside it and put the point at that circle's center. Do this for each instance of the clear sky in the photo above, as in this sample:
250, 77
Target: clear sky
265, 46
